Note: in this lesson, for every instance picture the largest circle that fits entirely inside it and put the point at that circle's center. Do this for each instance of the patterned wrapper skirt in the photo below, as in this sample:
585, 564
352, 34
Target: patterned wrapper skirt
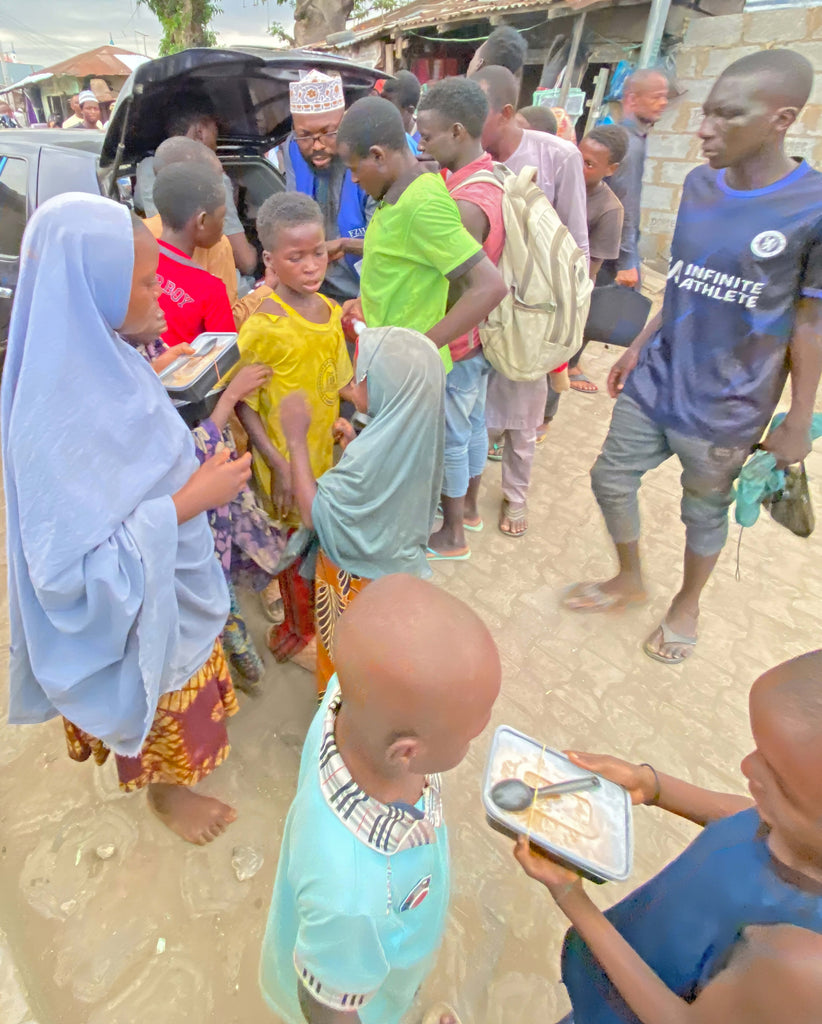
334, 590
188, 738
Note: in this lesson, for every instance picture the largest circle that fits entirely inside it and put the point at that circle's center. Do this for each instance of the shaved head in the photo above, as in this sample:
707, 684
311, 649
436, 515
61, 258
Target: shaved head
795, 689
179, 149
415, 662
784, 771
643, 80
499, 85
784, 76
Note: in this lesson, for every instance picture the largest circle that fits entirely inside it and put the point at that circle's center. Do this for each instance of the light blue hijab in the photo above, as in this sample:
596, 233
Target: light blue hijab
112, 603
373, 512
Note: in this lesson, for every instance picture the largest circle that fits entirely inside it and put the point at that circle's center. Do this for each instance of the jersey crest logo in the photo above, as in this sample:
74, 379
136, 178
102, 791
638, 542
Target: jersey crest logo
417, 894
768, 244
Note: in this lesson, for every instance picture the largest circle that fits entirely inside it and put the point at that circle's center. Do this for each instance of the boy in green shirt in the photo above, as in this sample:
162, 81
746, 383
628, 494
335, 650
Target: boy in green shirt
416, 248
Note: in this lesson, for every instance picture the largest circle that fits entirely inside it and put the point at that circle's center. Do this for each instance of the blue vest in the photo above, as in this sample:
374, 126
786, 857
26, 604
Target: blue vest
685, 920
351, 218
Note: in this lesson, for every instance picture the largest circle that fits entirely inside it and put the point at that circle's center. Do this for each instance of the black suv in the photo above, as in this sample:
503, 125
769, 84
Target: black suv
248, 90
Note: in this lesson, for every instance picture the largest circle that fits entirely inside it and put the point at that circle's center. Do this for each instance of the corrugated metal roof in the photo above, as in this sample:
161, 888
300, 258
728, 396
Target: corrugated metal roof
423, 13
105, 60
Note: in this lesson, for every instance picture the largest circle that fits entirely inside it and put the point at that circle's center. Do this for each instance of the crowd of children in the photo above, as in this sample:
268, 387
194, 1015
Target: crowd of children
122, 617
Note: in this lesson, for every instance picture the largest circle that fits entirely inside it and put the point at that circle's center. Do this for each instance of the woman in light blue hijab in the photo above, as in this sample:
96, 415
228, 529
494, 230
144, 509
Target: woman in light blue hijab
115, 595
373, 512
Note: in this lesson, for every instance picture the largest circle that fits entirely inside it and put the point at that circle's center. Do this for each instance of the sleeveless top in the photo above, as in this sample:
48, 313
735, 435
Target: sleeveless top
489, 199
685, 921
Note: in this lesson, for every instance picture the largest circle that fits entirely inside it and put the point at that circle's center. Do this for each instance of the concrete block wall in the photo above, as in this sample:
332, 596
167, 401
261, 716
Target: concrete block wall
709, 46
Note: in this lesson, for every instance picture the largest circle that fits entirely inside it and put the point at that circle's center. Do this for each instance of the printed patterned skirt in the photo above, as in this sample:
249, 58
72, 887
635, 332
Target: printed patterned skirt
188, 738
334, 590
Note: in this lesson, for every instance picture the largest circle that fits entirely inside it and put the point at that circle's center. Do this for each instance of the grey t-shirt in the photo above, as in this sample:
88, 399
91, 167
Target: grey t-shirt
145, 185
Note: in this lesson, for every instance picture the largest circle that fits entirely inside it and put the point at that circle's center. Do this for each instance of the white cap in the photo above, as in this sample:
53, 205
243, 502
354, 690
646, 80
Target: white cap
316, 93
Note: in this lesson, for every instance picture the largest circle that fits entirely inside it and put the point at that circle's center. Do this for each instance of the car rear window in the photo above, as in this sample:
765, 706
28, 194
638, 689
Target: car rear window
66, 170
13, 185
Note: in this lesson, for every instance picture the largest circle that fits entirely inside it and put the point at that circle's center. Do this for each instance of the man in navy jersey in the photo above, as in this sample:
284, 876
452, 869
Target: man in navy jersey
742, 310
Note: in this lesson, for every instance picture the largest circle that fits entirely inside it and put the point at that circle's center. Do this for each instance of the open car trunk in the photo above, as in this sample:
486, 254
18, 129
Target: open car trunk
246, 88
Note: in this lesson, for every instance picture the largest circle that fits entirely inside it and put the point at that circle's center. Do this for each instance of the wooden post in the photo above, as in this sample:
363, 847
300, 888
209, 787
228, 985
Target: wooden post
596, 100
576, 36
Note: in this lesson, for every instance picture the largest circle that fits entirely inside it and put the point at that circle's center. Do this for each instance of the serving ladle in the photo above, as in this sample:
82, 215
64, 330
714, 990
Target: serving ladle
516, 795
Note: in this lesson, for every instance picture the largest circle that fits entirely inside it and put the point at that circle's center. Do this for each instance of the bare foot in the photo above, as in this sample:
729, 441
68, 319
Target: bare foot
513, 519
448, 542
307, 657
195, 818
442, 1013
619, 592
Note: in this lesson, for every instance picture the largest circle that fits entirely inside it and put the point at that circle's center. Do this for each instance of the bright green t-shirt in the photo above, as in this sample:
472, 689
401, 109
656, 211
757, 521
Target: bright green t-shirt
412, 249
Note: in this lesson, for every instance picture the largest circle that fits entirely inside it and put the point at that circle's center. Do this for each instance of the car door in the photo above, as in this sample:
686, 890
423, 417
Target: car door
14, 177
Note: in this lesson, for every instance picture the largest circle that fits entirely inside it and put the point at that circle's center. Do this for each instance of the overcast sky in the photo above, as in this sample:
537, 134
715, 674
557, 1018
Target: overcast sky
46, 31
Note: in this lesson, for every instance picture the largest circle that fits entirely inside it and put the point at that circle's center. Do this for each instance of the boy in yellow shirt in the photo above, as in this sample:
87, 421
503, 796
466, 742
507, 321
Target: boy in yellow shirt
297, 332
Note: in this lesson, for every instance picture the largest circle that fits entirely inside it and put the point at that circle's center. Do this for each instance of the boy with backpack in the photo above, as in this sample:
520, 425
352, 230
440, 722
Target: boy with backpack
450, 120
552, 287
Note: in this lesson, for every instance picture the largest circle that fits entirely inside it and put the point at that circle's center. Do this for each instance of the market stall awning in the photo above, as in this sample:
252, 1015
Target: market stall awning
40, 76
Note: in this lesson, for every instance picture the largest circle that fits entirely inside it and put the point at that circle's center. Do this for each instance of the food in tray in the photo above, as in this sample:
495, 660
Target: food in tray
185, 370
589, 828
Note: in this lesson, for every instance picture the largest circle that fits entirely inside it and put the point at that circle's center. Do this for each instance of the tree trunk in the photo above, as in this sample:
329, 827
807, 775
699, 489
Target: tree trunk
314, 20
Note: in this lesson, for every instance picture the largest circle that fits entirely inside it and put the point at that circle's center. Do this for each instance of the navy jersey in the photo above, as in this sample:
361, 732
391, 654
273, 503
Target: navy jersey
740, 261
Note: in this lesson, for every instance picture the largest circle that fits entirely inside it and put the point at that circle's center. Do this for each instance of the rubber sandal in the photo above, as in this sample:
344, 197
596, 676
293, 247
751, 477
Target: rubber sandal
669, 636
438, 556
596, 599
495, 452
474, 527
436, 1013
542, 435
581, 378
514, 515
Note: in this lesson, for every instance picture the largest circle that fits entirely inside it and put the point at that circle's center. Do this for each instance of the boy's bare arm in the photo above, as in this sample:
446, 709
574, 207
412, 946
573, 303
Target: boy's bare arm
254, 427
791, 441
295, 419
774, 975
484, 291
316, 1013
766, 990
681, 798
347, 391
697, 804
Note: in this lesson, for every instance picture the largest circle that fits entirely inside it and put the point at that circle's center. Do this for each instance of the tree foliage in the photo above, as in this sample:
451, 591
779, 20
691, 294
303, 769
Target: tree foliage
185, 23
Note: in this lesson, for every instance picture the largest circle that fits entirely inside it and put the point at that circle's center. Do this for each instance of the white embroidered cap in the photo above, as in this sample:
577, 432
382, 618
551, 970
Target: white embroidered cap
86, 96
316, 93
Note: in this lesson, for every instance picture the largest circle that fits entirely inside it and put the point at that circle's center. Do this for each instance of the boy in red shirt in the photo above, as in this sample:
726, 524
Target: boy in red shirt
191, 202
450, 121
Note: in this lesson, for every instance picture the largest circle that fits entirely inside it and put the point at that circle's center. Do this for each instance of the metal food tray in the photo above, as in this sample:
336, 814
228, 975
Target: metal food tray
590, 832
212, 370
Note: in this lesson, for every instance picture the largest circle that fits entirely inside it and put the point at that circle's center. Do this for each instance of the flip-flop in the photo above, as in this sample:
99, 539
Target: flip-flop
597, 599
495, 452
669, 636
436, 1013
581, 379
512, 515
438, 556
474, 527
542, 434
